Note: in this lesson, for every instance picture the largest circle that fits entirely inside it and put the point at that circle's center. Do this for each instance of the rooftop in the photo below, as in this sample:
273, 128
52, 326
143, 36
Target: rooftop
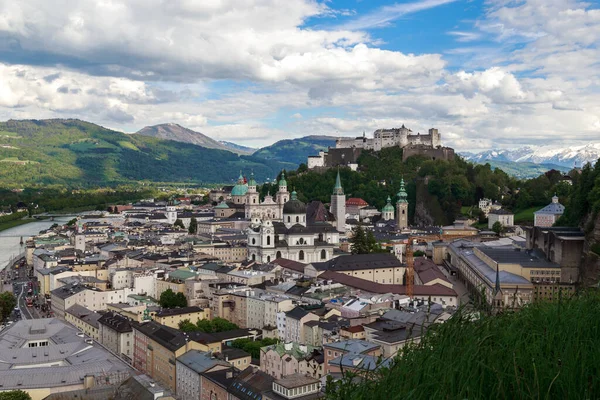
199, 361
65, 361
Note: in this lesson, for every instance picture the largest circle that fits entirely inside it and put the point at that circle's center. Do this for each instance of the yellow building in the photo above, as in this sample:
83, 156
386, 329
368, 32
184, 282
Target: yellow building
377, 267
85, 320
156, 348
173, 316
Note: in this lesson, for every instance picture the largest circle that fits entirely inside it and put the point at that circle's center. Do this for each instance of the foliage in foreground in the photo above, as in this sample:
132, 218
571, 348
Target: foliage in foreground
7, 303
253, 346
207, 326
545, 351
14, 395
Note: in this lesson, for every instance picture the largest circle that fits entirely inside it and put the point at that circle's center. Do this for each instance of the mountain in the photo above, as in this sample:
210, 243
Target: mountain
77, 153
524, 170
295, 150
181, 134
237, 148
562, 156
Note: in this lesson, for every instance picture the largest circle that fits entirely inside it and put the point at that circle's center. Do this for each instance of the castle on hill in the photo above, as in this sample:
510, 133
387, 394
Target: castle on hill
347, 150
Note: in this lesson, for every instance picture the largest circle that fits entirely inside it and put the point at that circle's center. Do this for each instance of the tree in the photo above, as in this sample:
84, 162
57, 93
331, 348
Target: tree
7, 304
498, 227
179, 223
253, 346
418, 253
359, 241
170, 299
193, 228
14, 395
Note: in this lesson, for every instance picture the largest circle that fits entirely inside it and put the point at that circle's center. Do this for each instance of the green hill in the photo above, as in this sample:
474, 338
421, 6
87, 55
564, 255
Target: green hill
295, 151
524, 170
77, 153
545, 351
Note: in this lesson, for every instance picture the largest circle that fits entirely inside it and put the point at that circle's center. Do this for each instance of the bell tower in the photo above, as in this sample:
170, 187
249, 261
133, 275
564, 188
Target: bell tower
402, 208
338, 205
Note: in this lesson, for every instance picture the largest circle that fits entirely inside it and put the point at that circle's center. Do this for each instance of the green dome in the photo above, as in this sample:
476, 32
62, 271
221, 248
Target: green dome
282, 181
388, 207
241, 188
222, 205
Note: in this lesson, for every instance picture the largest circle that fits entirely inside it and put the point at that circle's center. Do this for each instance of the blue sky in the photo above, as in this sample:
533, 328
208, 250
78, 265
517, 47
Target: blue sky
486, 73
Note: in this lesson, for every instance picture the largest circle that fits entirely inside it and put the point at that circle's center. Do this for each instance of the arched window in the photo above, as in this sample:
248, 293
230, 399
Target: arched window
297, 218
268, 240
320, 237
301, 255
323, 254
254, 200
253, 257
301, 241
402, 212
253, 241
268, 258
278, 255
289, 218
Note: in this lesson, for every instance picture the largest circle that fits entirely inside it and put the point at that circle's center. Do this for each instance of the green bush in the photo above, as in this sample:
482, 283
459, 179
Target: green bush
545, 351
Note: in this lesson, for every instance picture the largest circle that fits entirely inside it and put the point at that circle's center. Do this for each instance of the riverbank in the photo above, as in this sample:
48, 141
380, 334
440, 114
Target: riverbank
18, 222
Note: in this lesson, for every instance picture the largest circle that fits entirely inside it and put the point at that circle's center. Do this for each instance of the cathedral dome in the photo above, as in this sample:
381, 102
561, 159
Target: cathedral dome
388, 207
294, 206
241, 187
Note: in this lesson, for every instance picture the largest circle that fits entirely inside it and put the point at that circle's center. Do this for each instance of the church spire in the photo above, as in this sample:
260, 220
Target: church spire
402, 195
337, 189
497, 287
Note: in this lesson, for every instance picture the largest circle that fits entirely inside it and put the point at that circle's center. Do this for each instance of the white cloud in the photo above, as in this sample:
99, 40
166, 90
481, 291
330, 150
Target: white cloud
131, 63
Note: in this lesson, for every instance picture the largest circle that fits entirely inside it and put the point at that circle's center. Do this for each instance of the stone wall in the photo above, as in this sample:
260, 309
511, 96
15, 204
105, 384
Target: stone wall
438, 153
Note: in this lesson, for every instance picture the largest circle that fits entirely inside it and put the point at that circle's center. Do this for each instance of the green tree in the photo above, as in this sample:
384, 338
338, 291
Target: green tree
253, 346
170, 299
193, 228
7, 304
14, 395
187, 326
498, 227
359, 241
179, 223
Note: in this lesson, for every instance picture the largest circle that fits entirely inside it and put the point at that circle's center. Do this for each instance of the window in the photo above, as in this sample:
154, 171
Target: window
278, 255
253, 241
301, 255
323, 254
268, 240
289, 218
297, 218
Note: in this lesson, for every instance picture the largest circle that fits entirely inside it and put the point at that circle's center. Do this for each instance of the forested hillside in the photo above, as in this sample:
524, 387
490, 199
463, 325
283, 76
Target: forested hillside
451, 184
78, 153
295, 151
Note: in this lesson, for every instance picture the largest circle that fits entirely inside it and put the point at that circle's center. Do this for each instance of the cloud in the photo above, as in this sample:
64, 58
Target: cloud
254, 72
465, 36
383, 16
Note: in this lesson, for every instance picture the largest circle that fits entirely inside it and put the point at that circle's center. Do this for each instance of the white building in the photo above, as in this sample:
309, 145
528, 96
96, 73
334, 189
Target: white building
188, 368
293, 238
506, 218
548, 215
116, 335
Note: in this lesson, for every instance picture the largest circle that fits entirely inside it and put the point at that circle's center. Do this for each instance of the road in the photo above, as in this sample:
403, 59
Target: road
21, 303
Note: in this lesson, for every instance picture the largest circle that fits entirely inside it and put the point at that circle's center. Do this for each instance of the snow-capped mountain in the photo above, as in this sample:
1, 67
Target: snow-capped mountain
564, 156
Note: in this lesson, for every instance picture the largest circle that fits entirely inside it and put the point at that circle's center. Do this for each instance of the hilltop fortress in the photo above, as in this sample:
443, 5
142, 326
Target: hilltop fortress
347, 150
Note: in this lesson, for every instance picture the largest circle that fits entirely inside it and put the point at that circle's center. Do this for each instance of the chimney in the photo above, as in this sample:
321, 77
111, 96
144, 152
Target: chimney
88, 381
229, 374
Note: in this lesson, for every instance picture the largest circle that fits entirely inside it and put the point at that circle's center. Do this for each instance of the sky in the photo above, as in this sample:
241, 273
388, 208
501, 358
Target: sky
486, 73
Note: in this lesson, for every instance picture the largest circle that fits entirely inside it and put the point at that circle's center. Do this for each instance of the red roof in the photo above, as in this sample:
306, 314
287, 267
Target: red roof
290, 264
354, 329
373, 287
355, 201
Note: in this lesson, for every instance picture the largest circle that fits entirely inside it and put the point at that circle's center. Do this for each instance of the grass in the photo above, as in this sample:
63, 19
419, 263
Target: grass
17, 161
545, 351
128, 145
466, 210
525, 215
11, 224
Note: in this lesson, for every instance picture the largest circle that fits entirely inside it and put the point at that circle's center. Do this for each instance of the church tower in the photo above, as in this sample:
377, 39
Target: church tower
338, 205
282, 195
252, 198
402, 208
387, 212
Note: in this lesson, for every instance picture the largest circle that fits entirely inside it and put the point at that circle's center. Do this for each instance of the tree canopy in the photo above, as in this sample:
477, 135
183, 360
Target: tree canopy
7, 304
170, 299
207, 326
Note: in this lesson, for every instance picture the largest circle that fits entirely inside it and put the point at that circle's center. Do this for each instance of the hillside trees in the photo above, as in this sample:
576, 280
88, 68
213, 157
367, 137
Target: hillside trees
170, 299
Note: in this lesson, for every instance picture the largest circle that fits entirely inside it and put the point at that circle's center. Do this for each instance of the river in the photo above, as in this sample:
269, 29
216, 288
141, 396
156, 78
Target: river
10, 238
